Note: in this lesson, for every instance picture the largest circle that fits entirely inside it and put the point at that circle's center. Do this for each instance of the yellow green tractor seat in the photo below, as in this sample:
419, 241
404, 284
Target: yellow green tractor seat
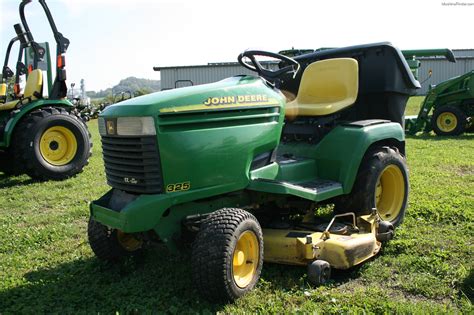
33, 90
327, 86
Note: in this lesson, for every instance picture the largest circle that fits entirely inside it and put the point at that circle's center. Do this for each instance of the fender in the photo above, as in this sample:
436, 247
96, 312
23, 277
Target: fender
16, 117
340, 153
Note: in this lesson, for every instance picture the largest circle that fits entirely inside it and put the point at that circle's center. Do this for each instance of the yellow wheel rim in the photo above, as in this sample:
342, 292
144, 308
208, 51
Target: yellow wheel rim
128, 241
390, 193
58, 145
447, 122
245, 259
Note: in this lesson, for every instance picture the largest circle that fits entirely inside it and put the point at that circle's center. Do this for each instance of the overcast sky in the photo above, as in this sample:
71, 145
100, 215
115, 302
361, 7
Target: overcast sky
114, 39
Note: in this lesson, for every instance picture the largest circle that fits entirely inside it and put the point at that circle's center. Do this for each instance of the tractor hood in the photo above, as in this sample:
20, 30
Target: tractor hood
232, 93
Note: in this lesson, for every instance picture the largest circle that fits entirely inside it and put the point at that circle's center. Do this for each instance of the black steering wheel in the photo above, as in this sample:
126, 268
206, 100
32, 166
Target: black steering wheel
293, 67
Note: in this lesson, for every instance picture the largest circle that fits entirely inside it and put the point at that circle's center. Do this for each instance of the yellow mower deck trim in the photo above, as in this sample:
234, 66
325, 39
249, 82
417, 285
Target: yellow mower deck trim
340, 251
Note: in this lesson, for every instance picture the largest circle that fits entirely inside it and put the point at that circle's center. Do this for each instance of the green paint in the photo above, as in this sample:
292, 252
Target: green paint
15, 117
457, 91
207, 137
44, 64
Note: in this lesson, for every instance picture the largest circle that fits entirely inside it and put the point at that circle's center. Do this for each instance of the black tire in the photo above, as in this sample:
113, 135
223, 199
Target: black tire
448, 127
385, 231
319, 272
213, 254
27, 137
7, 165
106, 245
362, 198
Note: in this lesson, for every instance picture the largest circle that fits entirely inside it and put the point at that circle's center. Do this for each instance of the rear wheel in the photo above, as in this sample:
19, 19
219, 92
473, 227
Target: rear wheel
111, 244
51, 143
227, 254
382, 183
448, 121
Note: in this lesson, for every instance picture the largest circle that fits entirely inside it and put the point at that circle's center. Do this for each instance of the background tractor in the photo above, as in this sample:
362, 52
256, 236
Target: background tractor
239, 167
448, 108
39, 135
452, 106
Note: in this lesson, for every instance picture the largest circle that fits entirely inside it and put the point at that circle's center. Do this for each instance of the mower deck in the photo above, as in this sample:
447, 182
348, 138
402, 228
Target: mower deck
342, 249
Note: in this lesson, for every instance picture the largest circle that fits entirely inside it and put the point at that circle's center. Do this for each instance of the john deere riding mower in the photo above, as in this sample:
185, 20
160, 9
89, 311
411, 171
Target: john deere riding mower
238, 167
39, 135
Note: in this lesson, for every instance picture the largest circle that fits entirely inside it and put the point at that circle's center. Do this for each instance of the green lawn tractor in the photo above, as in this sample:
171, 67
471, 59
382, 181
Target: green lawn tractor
452, 105
241, 168
39, 135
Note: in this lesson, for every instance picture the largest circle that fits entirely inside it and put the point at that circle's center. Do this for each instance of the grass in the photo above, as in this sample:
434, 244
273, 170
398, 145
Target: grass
46, 265
413, 105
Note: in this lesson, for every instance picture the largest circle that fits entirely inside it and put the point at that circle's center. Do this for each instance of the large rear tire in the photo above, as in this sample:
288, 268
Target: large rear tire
382, 183
227, 255
51, 143
448, 121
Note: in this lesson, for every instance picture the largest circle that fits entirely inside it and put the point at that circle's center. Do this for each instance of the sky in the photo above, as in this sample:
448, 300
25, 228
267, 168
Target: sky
115, 39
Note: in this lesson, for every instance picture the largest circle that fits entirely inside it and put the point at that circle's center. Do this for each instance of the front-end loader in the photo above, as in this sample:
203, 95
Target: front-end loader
448, 108
39, 135
237, 168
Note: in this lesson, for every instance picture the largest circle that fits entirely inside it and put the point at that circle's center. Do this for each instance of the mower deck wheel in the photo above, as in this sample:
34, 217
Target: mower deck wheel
319, 272
227, 254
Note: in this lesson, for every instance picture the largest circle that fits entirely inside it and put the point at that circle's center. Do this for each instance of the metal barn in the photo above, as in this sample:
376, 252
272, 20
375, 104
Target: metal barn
181, 76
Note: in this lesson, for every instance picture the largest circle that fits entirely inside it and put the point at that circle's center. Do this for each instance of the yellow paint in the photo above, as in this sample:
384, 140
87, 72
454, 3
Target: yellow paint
128, 241
390, 193
340, 251
197, 107
58, 145
3, 90
446, 122
245, 259
234, 100
327, 86
34, 83
178, 187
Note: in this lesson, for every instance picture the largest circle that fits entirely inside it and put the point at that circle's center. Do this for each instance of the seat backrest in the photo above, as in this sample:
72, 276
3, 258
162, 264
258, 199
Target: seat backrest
327, 86
3, 92
34, 83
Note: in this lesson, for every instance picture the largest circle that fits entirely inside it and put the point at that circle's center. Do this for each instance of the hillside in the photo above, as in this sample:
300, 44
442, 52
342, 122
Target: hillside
131, 84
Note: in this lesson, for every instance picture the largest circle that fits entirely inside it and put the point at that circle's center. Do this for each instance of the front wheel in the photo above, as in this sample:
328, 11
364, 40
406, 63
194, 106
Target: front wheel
51, 143
111, 244
382, 183
227, 254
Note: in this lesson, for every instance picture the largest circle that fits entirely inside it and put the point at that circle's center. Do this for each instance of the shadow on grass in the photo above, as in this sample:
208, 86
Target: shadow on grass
7, 181
432, 137
286, 277
156, 281
468, 286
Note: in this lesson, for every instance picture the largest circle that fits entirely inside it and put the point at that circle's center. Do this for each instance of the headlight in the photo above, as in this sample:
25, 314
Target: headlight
127, 126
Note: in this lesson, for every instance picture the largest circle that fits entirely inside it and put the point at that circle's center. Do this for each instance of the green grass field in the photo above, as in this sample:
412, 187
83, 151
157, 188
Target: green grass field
46, 265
